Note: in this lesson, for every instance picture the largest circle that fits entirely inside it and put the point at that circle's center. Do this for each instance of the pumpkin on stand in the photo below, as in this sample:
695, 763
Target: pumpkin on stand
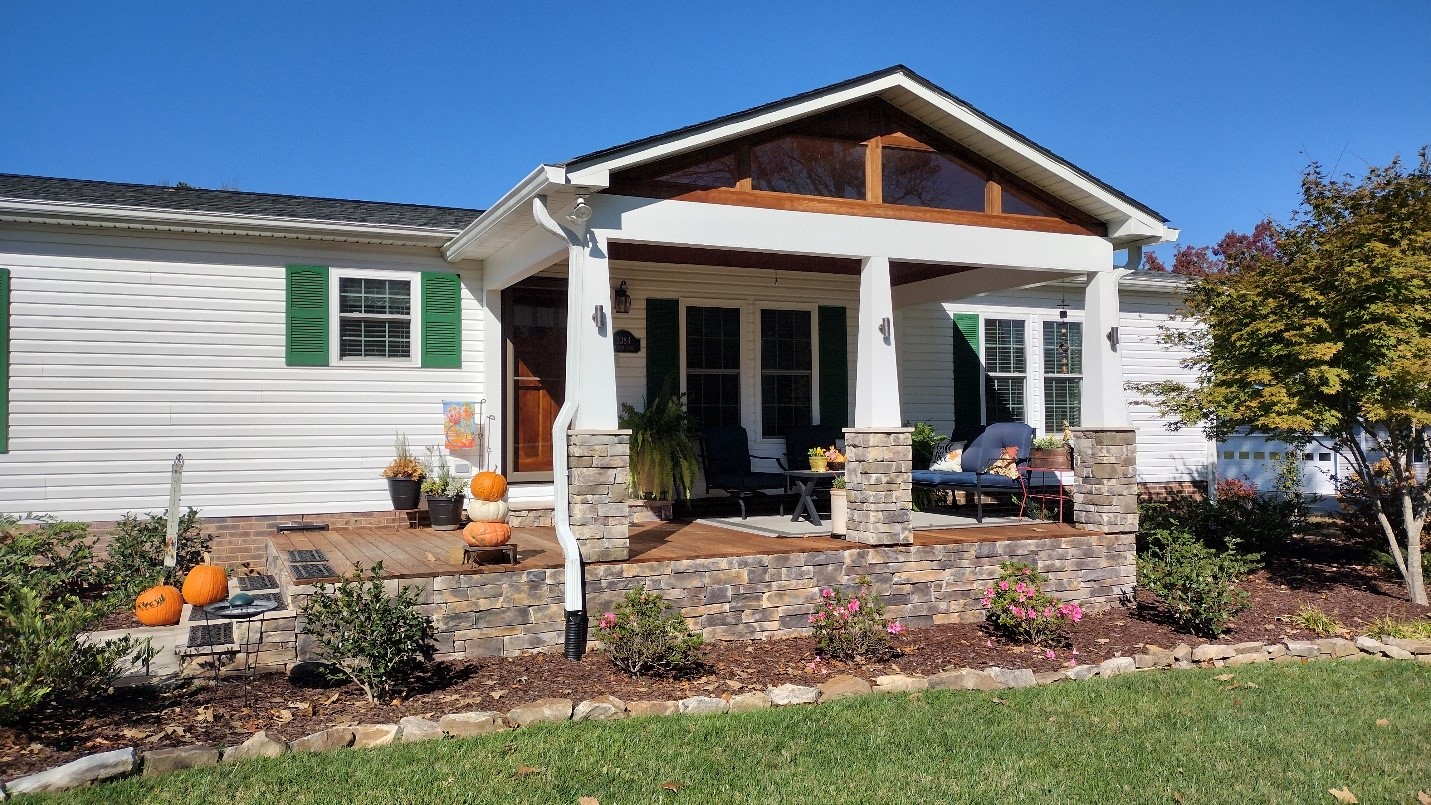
486, 535
205, 585
487, 511
488, 485
160, 605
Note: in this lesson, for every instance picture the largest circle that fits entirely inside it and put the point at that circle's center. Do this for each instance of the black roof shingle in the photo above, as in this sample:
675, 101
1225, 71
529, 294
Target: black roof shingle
234, 202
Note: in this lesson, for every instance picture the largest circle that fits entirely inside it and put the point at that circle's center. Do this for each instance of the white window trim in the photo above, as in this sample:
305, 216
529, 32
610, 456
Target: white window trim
1036, 359
335, 332
758, 428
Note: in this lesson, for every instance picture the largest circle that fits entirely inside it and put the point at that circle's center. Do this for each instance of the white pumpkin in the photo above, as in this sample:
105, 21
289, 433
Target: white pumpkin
487, 511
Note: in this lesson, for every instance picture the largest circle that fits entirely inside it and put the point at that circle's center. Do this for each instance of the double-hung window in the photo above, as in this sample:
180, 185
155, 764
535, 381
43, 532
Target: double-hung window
1062, 374
786, 371
713, 365
1006, 367
375, 318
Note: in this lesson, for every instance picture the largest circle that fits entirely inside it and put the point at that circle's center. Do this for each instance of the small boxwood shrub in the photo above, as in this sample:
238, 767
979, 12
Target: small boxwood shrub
1196, 584
644, 635
366, 635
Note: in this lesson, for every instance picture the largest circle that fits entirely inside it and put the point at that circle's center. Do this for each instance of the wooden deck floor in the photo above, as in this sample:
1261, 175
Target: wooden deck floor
409, 553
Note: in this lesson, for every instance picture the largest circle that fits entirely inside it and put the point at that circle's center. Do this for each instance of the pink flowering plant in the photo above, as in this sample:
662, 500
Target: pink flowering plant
1022, 612
849, 627
645, 636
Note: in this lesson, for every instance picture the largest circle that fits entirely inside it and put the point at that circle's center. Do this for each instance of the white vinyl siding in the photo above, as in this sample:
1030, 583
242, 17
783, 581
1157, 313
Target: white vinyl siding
129, 350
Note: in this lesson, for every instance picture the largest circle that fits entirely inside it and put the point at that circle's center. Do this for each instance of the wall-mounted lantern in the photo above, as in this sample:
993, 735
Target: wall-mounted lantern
623, 299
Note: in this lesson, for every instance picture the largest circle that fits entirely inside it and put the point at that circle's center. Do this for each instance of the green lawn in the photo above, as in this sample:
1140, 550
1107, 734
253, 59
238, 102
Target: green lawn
1283, 734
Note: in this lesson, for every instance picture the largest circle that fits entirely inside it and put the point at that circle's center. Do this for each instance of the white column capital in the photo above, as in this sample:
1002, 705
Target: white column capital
594, 373
1105, 403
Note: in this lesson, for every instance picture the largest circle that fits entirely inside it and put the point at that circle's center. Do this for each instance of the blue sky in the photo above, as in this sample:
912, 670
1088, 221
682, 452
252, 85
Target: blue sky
1207, 113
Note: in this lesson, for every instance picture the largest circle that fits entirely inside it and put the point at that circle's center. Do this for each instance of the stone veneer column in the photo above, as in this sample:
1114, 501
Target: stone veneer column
1105, 485
598, 466
877, 475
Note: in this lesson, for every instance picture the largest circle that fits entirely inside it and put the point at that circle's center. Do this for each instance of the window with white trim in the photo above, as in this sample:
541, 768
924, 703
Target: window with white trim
375, 316
713, 365
1062, 374
1006, 370
786, 371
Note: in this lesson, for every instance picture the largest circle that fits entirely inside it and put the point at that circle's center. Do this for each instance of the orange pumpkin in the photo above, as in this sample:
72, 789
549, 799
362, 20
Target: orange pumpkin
159, 606
487, 535
488, 486
206, 584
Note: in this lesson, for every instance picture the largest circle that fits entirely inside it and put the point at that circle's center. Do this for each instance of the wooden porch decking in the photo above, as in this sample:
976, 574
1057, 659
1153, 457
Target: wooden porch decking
414, 553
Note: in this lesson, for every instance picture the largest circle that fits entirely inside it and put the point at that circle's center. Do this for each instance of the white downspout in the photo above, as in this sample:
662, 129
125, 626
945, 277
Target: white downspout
574, 594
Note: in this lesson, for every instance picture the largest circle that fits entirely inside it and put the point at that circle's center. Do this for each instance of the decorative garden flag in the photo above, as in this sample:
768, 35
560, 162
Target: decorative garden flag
459, 424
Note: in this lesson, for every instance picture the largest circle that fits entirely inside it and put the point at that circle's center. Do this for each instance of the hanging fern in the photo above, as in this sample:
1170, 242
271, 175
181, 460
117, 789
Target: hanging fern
663, 449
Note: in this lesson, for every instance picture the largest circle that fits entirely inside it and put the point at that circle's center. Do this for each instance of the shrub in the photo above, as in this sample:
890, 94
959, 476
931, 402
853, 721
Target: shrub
645, 635
136, 552
854, 627
1021, 611
45, 568
366, 635
1197, 584
1240, 518
1316, 621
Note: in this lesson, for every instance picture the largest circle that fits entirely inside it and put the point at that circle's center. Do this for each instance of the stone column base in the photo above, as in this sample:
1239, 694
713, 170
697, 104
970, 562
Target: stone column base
877, 475
1105, 484
598, 466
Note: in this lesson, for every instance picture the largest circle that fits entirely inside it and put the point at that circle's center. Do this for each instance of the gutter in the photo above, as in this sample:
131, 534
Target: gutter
515, 200
148, 218
574, 578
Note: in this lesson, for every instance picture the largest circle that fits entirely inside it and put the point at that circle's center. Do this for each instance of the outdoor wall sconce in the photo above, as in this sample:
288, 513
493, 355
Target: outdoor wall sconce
884, 327
623, 299
598, 317
1113, 338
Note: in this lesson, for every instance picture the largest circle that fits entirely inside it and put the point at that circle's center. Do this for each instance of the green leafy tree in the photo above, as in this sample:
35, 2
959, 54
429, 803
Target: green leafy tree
1322, 325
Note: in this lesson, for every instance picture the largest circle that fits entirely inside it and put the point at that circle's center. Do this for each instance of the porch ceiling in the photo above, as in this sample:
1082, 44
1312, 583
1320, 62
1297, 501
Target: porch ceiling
901, 272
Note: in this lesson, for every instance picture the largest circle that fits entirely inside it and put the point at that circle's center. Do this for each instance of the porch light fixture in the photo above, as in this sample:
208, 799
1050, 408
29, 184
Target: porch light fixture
1113, 338
598, 317
623, 299
884, 327
1063, 306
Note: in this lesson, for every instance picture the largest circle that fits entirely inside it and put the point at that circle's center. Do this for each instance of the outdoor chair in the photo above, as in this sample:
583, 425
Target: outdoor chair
725, 459
800, 438
979, 456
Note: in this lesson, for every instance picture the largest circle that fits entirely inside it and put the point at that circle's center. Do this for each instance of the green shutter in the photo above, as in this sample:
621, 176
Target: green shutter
834, 367
663, 346
4, 360
307, 316
967, 372
441, 320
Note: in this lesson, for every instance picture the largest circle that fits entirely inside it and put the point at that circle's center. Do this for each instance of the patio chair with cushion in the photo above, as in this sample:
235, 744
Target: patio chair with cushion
979, 458
725, 459
800, 438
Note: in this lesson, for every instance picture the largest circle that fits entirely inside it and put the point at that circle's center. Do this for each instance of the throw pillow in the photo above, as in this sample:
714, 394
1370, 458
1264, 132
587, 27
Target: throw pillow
1007, 464
948, 457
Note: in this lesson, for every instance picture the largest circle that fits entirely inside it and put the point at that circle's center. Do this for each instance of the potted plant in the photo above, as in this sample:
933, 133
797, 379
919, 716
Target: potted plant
834, 459
818, 461
839, 511
404, 474
445, 491
1050, 453
662, 452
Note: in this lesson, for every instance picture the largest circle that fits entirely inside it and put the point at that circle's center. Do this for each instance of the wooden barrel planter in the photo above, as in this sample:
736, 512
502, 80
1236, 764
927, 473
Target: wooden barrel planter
1059, 458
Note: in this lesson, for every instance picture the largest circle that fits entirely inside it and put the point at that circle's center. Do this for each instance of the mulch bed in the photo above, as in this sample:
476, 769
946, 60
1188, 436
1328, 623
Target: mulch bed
1319, 571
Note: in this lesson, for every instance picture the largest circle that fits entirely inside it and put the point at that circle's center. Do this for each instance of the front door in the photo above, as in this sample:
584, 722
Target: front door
534, 321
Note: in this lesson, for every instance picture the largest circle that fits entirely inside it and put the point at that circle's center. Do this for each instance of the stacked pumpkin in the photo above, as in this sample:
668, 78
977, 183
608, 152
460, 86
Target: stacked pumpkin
488, 512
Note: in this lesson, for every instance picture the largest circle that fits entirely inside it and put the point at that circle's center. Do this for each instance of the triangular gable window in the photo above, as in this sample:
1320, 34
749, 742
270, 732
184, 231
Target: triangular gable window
809, 166
1014, 204
918, 178
718, 172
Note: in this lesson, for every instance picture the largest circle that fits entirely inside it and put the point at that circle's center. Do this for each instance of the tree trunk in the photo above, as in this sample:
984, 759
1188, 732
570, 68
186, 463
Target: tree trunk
1415, 580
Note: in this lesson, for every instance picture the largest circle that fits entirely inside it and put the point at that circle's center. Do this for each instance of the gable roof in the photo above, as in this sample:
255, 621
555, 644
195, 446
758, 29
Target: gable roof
234, 203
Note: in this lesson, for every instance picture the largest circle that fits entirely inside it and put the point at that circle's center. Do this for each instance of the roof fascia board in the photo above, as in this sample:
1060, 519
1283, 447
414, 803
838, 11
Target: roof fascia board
119, 217
513, 201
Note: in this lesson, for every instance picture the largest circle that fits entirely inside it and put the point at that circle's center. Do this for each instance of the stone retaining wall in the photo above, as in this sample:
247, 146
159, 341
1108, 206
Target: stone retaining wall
734, 598
597, 472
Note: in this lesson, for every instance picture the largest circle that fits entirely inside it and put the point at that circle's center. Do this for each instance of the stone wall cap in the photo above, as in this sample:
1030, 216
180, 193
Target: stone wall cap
615, 432
878, 430
1105, 429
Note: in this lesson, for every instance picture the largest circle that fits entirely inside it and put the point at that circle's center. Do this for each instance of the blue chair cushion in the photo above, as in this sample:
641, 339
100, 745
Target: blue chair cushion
937, 478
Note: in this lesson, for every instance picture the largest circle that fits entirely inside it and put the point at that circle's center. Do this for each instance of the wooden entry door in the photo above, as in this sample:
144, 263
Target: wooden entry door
534, 321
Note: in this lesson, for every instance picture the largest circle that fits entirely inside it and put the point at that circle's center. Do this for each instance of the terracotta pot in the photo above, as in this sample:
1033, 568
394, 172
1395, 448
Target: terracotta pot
1059, 458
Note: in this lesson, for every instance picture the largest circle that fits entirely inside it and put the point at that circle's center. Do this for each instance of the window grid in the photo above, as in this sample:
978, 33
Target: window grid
713, 365
786, 361
1006, 364
1063, 370
374, 318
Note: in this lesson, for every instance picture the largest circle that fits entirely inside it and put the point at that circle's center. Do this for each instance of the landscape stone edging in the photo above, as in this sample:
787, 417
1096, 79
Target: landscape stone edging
116, 763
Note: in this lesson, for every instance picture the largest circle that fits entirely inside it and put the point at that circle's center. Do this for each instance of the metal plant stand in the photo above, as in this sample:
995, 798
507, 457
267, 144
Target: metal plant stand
243, 612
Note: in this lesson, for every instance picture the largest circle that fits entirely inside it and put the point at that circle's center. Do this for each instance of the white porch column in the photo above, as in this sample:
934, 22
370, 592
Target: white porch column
1105, 403
594, 372
876, 373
